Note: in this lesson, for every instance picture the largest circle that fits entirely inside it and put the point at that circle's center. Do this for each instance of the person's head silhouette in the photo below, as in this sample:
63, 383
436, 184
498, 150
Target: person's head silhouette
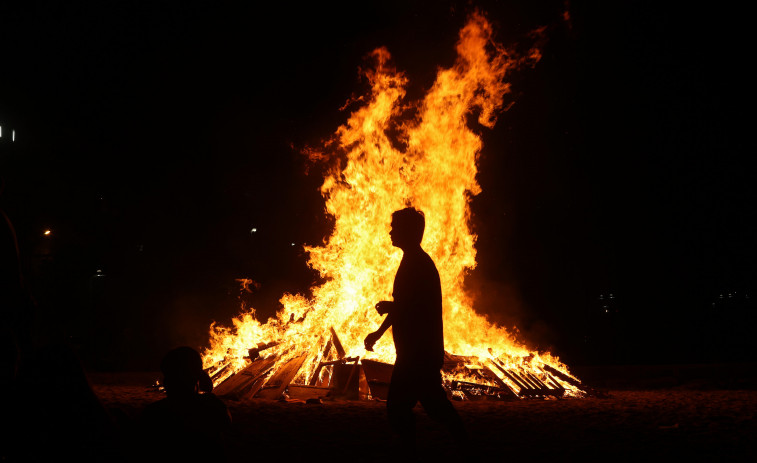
407, 228
183, 374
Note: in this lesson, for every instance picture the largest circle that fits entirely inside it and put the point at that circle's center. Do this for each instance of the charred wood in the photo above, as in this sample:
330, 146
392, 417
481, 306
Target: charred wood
341, 361
254, 353
475, 390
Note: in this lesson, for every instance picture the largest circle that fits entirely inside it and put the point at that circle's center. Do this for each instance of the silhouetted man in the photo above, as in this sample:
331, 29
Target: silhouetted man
415, 316
186, 425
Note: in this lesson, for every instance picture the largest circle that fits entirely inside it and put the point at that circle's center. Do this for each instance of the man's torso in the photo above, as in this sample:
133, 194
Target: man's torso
417, 322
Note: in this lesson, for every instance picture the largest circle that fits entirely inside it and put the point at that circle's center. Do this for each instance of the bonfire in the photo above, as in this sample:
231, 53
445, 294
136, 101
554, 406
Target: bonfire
390, 154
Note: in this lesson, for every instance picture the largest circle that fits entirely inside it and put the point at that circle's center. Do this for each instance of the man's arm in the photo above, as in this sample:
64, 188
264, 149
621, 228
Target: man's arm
385, 325
383, 307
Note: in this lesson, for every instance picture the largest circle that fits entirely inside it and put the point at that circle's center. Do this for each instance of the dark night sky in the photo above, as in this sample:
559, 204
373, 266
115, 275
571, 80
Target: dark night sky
152, 136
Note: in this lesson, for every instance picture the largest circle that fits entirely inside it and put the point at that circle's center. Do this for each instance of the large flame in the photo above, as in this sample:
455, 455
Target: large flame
431, 165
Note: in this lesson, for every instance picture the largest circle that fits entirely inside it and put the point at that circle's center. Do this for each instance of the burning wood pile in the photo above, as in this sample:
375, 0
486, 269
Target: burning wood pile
338, 376
391, 154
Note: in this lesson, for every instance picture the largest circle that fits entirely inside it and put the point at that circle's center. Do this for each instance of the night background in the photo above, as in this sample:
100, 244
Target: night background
616, 223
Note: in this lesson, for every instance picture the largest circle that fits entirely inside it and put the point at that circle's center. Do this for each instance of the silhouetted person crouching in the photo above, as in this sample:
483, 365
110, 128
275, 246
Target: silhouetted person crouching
186, 425
415, 316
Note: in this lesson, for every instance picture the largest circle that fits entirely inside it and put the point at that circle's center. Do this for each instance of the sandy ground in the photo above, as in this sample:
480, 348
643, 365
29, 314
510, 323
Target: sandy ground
672, 423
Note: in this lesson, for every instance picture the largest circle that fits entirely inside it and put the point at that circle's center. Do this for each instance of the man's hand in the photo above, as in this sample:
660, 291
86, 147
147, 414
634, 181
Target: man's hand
384, 307
370, 340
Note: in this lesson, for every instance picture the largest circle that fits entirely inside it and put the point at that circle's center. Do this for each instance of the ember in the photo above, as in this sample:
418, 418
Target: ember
313, 347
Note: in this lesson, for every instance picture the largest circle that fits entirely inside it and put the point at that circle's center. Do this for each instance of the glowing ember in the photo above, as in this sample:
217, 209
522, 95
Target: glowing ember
431, 165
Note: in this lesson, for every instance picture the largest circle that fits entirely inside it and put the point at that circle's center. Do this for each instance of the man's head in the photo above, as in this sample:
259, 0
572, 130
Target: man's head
183, 373
407, 228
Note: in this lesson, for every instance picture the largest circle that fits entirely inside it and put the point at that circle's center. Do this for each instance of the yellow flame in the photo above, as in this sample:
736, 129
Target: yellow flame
430, 165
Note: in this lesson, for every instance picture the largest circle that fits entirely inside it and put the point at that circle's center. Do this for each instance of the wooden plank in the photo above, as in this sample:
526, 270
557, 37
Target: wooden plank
337, 344
314, 379
259, 379
520, 381
526, 383
327, 349
220, 372
276, 384
573, 382
229, 384
512, 378
254, 353
557, 392
566, 378
355, 368
452, 358
341, 361
486, 392
233, 381
531, 389
534, 380
488, 374
254, 386
304, 392
362, 387
555, 383
346, 381
237, 384
546, 390
378, 371
483, 373
378, 375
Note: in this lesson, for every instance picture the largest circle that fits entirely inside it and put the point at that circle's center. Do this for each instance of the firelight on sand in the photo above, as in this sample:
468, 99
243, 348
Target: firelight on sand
430, 165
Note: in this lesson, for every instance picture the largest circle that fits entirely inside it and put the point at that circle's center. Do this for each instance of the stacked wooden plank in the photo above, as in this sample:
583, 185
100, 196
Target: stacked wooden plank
340, 377
336, 376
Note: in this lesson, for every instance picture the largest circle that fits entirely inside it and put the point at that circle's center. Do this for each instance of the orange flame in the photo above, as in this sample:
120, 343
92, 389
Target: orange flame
431, 165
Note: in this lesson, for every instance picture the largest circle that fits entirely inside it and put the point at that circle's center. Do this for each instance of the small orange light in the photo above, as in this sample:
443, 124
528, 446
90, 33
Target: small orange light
47, 232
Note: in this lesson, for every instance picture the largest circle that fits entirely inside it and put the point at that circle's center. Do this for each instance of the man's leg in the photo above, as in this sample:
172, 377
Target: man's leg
399, 406
434, 399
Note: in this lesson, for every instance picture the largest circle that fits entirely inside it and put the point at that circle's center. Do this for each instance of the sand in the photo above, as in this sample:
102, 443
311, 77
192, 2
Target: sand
672, 423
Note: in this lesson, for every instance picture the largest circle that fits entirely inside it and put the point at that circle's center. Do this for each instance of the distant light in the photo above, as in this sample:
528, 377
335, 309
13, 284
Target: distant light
13, 135
292, 244
254, 230
47, 232
1, 131
99, 273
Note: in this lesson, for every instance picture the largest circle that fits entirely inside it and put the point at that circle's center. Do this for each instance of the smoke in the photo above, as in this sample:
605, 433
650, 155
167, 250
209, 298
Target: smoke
504, 304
